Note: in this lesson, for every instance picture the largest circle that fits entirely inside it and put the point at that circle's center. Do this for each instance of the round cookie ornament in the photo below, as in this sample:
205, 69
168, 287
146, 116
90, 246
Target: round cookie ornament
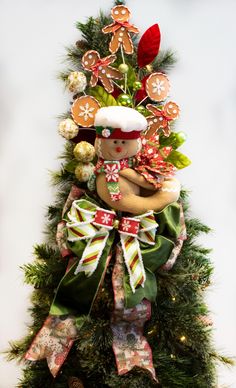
84, 109
157, 86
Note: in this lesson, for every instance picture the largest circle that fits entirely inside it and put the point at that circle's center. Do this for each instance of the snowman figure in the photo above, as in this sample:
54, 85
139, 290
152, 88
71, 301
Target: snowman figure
118, 140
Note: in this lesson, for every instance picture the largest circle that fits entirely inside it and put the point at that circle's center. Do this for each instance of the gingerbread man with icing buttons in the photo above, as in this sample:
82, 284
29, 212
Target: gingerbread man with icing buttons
100, 69
121, 30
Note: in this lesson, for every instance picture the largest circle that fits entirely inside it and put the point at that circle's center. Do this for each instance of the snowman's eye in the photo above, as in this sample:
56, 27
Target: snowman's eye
123, 11
123, 142
115, 141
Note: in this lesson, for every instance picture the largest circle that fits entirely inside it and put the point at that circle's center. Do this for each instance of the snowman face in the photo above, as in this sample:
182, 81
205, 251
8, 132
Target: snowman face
116, 149
120, 13
90, 58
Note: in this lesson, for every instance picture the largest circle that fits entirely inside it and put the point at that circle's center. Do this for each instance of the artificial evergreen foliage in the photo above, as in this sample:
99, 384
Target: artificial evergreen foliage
180, 338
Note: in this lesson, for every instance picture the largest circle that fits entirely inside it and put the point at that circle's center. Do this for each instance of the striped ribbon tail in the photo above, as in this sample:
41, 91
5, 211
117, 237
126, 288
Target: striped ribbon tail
148, 227
92, 254
133, 260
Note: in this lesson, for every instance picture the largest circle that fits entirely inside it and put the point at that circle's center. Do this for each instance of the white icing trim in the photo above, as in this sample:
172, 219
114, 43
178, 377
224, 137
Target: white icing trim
170, 190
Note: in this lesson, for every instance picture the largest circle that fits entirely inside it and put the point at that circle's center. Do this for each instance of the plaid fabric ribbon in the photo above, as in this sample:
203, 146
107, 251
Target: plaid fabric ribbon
89, 222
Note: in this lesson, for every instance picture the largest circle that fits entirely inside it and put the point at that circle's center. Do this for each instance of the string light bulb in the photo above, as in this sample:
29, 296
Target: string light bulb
183, 338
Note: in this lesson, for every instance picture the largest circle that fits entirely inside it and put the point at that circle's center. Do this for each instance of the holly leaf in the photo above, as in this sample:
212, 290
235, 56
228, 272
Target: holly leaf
104, 98
178, 160
148, 46
175, 140
70, 166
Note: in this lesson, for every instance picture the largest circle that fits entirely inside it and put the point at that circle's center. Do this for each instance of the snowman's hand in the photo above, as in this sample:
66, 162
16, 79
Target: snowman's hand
133, 176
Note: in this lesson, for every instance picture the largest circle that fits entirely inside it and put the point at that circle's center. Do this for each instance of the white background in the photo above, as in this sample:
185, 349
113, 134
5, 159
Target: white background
33, 35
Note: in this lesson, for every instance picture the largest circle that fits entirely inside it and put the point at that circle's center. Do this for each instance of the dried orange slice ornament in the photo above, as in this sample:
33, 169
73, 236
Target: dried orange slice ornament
157, 86
84, 109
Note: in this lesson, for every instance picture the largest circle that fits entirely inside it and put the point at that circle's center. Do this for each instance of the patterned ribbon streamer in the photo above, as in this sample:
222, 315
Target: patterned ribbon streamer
89, 222
129, 345
53, 342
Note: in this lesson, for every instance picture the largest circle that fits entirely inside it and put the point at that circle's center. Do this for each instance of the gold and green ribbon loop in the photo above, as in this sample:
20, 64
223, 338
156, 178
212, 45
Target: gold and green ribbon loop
93, 224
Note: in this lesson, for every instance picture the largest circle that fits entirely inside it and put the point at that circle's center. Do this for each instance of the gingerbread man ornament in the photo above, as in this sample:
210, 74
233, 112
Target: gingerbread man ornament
161, 118
100, 69
121, 30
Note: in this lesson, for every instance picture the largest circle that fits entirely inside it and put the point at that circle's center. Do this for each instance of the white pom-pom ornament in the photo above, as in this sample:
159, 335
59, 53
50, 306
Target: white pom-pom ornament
84, 171
84, 152
77, 82
68, 129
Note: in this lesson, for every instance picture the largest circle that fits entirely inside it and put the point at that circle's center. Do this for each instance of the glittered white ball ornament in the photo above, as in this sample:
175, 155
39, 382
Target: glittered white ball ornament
77, 82
83, 171
68, 129
84, 152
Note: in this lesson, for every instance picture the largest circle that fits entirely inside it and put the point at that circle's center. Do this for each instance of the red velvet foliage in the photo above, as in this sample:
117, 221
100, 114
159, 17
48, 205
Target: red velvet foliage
149, 45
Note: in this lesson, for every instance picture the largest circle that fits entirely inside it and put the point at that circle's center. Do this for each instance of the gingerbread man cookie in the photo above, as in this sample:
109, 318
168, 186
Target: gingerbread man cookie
100, 69
121, 30
161, 118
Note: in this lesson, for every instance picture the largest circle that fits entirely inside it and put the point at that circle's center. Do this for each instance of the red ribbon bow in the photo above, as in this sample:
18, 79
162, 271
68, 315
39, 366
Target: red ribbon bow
118, 24
162, 113
108, 219
104, 62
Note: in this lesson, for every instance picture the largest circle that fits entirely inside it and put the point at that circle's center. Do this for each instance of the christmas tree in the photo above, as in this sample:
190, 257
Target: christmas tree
89, 343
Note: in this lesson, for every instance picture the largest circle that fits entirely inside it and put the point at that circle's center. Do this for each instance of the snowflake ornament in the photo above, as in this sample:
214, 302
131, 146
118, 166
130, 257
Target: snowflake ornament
84, 109
157, 86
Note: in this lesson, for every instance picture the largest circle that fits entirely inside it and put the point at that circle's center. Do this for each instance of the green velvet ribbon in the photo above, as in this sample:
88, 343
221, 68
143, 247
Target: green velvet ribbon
76, 293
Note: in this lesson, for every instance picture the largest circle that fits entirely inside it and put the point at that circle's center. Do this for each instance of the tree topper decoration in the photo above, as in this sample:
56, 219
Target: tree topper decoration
100, 69
121, 29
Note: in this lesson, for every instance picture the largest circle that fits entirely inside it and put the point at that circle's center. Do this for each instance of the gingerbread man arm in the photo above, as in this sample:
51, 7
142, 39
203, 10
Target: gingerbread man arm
132, 202
137, 178
108, 29
133, 29
116, 74
111, 58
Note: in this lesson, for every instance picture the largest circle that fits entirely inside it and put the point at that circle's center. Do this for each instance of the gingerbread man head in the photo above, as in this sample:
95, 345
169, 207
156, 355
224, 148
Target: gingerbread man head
90, 59
118, 132
120, 13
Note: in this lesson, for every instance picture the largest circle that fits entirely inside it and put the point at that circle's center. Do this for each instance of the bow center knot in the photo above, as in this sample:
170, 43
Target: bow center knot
108, 219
